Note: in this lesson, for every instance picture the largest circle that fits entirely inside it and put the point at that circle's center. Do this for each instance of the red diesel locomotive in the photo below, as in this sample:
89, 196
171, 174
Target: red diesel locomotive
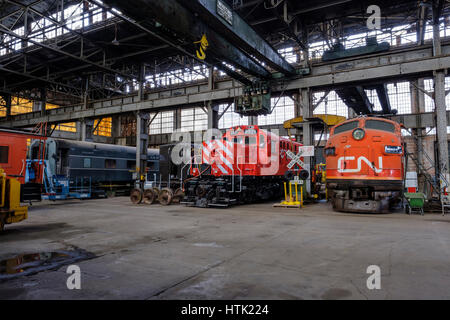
365, 165
13, 160
247, 164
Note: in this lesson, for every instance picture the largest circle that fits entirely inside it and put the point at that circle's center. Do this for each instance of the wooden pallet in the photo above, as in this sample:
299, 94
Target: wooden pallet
279, 205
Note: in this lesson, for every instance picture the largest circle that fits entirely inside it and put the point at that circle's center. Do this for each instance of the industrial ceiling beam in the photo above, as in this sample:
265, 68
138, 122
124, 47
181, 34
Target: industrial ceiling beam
36, 78
356, 98
172, 23
5, 30
284, 18
54, 21
221, 18
383, 97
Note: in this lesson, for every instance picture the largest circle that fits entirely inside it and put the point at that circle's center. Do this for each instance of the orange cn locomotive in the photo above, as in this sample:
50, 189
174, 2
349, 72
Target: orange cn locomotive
246, 164
365, 165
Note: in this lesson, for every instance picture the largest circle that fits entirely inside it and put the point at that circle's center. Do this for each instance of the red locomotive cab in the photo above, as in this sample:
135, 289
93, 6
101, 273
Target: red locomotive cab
245, 165
13, 154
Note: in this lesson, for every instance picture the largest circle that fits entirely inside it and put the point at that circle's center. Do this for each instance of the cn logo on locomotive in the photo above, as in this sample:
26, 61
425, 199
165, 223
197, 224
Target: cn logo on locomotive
342, 166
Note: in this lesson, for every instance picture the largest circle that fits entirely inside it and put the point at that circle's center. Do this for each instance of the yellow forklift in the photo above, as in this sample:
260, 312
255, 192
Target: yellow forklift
10, 209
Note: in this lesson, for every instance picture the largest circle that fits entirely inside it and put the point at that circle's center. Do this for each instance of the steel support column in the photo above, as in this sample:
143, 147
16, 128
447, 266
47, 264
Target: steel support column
116, 128
439, 91
418, 106
253, 120
213, 114
441, 122
86, 130
43, 92
86, 93
308, 135
8, 103
142, 120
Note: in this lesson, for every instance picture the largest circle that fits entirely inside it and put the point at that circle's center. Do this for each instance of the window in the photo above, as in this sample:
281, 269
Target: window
131, 164
380, 125
262, 141
429, 87
331, 104
230, 119
400, 97
238, 140
282, 109
346, 127
87, 163
104, 128
152, 165
194, 119
274, 147
110, 163
162, 122
250, 140
4, 154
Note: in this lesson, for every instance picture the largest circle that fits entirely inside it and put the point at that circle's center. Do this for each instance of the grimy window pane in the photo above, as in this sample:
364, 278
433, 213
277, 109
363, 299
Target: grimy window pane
4, 151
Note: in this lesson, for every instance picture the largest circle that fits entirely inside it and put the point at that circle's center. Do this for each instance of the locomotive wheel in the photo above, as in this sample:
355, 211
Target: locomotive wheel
156, 191
200, 191
149, 197
2, 224
165, 196
178, 195
136, 196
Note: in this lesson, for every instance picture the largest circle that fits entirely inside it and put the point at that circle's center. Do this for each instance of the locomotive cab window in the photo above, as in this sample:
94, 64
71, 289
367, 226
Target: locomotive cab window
250, 140
346, 127
380, 125
4, 154
262, 141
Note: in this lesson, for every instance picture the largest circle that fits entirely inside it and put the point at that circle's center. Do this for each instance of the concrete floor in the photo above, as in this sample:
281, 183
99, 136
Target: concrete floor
246, 252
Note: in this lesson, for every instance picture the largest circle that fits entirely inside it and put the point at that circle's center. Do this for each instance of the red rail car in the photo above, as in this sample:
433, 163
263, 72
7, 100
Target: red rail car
365, 165
246, 165
13, 160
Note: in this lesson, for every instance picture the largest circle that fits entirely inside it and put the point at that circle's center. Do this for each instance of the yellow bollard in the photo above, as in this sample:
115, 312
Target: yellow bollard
290, 193
296, 194
301, 197
285, 193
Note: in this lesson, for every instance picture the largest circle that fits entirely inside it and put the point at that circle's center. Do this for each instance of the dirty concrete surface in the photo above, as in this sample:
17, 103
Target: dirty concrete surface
245, 252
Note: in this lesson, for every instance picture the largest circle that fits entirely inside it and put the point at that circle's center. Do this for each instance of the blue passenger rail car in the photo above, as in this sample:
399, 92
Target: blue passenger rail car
110, 167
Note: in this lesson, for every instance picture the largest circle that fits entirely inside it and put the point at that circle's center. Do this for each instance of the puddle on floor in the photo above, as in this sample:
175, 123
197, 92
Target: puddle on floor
27, 264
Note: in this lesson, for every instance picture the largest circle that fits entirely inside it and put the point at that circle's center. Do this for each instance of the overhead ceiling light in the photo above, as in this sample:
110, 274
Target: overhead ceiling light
115, 41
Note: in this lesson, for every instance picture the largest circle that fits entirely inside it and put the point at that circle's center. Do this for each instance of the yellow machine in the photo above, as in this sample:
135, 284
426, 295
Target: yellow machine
322, 121
319, 182
10, 209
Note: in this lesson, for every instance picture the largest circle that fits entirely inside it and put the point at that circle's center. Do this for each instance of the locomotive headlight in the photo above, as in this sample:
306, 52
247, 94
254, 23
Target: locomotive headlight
359, 134
393, 150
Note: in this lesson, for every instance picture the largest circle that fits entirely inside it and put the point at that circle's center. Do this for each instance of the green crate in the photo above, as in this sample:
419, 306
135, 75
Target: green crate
415, 200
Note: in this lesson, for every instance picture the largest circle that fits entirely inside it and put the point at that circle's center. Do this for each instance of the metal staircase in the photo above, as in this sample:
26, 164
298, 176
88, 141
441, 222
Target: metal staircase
440, 188
424, 171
